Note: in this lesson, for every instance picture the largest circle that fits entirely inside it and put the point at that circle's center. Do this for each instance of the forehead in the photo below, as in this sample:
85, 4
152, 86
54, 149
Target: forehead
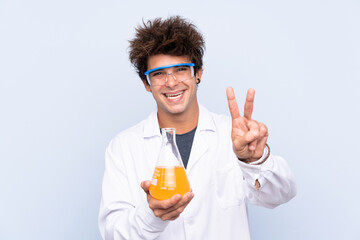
163, 60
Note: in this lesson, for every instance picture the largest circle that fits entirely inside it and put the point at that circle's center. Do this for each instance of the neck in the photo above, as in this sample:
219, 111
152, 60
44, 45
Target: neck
183, 122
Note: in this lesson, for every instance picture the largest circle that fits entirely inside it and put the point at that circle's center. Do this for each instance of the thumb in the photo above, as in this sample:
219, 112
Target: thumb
239, 143
145, 185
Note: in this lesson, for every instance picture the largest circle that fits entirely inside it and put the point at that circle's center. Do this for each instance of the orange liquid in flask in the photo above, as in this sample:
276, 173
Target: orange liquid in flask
168, 181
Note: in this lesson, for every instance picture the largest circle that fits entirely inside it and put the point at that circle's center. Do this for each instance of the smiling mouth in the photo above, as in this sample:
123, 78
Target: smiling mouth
174, 96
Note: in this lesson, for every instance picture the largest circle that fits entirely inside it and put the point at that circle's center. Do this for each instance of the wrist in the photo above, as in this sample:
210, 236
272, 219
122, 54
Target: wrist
259, 161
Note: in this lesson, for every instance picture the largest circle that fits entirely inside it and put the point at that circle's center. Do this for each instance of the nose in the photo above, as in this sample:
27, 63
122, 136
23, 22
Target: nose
170, 81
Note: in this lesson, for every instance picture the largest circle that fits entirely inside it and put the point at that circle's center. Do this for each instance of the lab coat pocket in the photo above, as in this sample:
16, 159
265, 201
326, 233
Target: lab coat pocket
228, 186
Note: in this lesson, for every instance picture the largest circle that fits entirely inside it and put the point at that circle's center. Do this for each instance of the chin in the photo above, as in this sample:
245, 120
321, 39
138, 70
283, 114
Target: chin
175, 110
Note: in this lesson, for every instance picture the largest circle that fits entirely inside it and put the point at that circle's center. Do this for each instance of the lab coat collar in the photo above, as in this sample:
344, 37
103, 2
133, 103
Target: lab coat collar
206, 122
151, 126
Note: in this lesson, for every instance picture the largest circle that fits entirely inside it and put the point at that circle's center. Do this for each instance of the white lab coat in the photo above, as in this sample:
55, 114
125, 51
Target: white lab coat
221, 184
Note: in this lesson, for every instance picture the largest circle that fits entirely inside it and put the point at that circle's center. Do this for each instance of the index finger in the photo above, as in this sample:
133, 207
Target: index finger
233, 107
184, 201
249, 103
166, 204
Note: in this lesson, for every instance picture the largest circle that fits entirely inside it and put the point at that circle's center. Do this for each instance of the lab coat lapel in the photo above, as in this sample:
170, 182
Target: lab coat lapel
201, 144
152, 142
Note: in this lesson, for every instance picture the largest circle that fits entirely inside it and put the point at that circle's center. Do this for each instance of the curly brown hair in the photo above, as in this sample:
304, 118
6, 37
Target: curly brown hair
173, 36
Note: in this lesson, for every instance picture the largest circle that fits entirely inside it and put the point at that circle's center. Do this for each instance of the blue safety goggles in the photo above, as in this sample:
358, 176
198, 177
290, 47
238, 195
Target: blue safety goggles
169, 66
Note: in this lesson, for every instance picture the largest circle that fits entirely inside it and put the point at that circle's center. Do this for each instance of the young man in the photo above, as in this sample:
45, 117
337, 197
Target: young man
227, 159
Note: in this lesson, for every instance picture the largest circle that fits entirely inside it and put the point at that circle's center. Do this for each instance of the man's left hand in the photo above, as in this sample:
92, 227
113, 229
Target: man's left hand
248, 136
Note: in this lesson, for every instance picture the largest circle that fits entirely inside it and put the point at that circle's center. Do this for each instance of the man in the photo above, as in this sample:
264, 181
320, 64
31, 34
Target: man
227, 163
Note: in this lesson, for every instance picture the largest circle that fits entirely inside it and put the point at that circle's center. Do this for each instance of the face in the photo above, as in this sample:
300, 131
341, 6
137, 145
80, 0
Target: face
173, 98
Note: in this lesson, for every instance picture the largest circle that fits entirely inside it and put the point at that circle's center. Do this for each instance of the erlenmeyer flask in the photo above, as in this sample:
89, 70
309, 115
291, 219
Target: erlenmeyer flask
169, 176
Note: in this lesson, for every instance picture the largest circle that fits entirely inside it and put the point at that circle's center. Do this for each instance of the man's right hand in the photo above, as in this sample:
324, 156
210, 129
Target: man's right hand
169, 209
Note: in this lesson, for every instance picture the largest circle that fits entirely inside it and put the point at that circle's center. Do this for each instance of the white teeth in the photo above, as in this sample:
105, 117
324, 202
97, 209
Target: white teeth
172, 96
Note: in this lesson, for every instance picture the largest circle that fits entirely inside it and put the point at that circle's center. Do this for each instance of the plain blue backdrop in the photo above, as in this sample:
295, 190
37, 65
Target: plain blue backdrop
67, 88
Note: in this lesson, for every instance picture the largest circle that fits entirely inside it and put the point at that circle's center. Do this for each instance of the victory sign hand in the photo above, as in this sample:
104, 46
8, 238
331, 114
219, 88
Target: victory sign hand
248, 136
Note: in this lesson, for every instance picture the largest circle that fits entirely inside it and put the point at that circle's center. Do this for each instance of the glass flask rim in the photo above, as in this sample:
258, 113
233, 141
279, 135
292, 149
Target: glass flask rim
168, 129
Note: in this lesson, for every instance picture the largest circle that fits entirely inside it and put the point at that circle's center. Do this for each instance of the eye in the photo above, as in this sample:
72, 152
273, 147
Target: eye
182, 69
156, 74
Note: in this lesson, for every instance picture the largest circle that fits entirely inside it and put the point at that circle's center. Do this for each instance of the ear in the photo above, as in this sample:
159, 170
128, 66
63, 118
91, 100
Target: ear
146, 85
199, 73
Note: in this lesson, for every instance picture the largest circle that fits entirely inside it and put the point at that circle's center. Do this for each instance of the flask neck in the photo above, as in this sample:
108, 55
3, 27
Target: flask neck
168, 136
169, 152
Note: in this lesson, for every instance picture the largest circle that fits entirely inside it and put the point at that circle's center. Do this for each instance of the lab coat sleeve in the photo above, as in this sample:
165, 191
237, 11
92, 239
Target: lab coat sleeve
119, 217
277, 183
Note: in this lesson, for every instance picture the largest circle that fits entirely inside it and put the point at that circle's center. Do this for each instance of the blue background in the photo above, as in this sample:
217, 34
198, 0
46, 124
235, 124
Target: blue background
67, 88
